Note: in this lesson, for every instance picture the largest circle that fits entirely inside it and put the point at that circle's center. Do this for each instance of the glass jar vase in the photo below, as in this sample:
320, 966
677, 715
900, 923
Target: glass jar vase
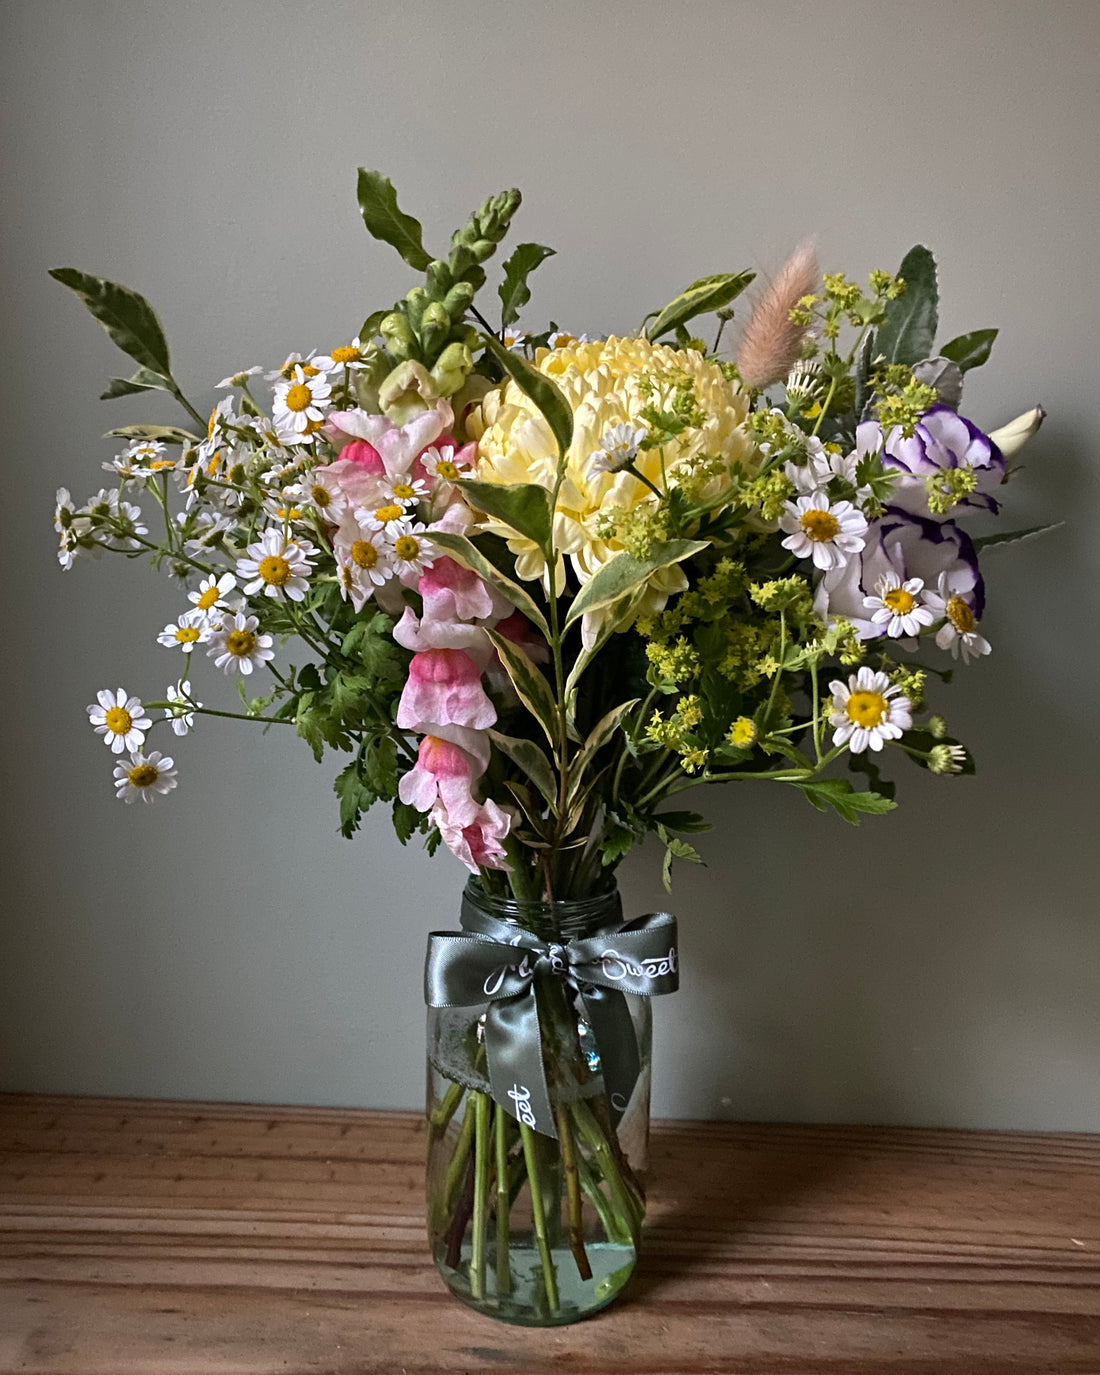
526, 1226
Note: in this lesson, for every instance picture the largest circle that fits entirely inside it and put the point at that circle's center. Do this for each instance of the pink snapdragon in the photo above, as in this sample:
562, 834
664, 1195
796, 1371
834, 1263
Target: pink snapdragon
453, 593
444, 685
479, 843
399, 446
444, 773
363, 455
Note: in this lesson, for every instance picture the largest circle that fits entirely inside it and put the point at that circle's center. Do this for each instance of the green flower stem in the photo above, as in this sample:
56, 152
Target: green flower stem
456, 1170
441, 1115
482, 1161
230, 715
615, 1228
503, 1200
538, 1209
628, 1206
572, 1192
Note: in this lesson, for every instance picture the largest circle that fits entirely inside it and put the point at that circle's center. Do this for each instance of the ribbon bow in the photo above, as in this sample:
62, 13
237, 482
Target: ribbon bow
494, 964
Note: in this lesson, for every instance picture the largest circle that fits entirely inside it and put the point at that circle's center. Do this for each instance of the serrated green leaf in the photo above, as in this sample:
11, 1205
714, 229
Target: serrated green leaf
703, 295
908, 332
970, 350
308, 726
354, 798
622, 574
142, 381
689, 822
406, 821
465, 552
167, 434
533, 689
1016, 536
378, 206
514, 292
542, 391
839, 794
532, 762
524, 507
129, 319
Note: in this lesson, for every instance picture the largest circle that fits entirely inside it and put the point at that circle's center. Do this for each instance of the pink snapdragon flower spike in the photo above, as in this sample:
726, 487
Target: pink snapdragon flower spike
363, 455
479, 843
444, 685
452, 592
398, 445
443, 773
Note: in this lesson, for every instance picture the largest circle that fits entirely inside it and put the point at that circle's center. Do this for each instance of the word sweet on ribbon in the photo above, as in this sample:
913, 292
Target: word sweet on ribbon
495, 965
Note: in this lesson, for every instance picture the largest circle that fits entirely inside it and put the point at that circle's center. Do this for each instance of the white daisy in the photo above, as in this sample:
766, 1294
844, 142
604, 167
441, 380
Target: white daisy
236, 645
294, 360
350, 356
208, 528
181, 712
946, 759
240, 379
443, 465
391, 518
141, 458
959, 632
276, 566
408, 491
867, 711
297, 402
560, 339
211, 594
219, 431
829, 532
619, 449
127, 524
412, 551
193, 628
120, 719
145, 776
897, 606
321, 490
286, 506
71, 525
821, 466
364, 560
513, 338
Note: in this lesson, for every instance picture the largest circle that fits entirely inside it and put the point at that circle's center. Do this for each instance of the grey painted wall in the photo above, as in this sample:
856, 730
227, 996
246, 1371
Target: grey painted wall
227, 943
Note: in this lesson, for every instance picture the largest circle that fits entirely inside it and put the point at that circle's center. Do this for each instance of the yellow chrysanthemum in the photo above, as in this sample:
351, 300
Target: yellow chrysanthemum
610, 383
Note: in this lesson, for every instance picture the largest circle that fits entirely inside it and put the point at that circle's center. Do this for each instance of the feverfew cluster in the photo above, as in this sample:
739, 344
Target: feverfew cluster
532, 584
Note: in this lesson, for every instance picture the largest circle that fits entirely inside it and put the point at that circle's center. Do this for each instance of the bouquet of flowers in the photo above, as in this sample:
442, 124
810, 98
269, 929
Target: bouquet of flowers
529, 586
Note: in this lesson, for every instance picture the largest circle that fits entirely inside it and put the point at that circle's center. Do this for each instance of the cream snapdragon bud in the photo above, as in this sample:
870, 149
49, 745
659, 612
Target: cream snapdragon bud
1017, 432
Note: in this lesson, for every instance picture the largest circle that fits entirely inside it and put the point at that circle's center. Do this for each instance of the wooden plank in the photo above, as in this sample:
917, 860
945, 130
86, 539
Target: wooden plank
147, 1237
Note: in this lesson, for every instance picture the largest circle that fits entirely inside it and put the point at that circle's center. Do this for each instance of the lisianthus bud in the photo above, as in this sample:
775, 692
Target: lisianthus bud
1017, 432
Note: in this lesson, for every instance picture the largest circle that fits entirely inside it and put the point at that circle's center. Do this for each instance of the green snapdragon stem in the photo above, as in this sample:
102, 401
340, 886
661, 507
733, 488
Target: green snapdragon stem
572, 1191
615, 1228
482, 1161
456, 1170
503, 1201
530, 1155
623, 1196
441, 1115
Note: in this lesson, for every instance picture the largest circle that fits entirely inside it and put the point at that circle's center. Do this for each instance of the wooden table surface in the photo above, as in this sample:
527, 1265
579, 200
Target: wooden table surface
146, 1237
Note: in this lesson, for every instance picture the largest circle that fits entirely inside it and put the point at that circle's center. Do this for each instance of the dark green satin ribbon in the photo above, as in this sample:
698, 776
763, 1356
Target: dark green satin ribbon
495, 965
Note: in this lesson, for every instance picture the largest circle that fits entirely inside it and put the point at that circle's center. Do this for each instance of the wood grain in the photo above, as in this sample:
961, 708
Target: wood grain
200, 1239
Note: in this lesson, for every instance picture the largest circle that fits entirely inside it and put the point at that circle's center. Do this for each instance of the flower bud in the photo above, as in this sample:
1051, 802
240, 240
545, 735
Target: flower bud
1017, 432
452, 368
435, 324
407, 391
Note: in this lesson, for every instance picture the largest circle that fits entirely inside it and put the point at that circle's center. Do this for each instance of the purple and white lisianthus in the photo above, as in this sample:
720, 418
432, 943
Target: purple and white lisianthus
943, 440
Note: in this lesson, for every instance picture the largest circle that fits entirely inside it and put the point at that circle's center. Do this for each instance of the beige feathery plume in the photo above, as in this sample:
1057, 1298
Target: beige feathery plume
772, 342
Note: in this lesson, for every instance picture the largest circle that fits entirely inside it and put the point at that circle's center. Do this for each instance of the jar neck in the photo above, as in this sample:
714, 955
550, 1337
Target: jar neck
573, 919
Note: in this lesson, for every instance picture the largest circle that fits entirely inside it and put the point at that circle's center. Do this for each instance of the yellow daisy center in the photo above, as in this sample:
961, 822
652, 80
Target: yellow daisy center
320, 496
403, 491
187, 634
390, 512
274, 570
211, 422
406, 547
961, 616
118, 720
208, 598
142, 775
158, 463
298, 397
867, 708
308, 370
364, 554
899, 601
346, 353
447, 470
240, 643
821, 526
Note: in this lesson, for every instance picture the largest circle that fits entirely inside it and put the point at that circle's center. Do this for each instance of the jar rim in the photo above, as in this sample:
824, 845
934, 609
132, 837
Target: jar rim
572, 917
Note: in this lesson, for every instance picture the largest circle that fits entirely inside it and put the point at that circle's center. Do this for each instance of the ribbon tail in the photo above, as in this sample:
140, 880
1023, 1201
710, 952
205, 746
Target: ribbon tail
609, 1017
517, 1075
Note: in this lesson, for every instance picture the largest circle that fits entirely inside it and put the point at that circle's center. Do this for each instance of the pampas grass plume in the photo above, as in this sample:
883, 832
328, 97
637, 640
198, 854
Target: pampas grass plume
772, 342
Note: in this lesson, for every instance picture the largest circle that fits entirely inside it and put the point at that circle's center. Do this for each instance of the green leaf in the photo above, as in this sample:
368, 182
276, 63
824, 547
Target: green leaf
128, 318
622, 574
534, 690
599, 736
514, 292
706, 294
524, 507
378, 206
354, 798
674, 849
1016, 536
406, 821
532, 762
839, 794
908, 332
689, 822
542, 391
308, 724
616, 843
143, 380
970, 350
169, 434
369, 327
465, 552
